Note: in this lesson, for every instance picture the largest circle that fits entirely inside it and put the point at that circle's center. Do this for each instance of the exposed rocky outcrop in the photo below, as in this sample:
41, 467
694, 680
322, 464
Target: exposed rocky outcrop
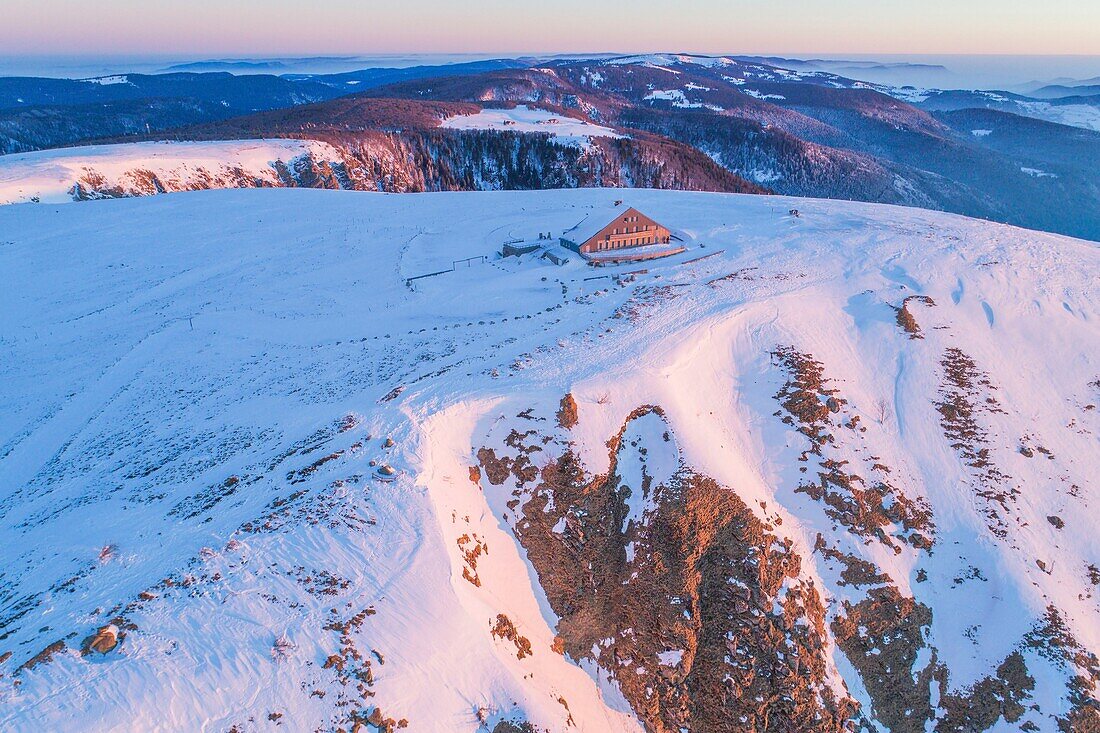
505, 629
693, 604
567, 412
867, 507
906, 320
965, 395
102, 641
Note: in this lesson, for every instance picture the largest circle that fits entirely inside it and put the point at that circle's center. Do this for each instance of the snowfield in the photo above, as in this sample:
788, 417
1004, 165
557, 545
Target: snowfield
521, 118
1075, 115
50, 175
198, 391
679, 99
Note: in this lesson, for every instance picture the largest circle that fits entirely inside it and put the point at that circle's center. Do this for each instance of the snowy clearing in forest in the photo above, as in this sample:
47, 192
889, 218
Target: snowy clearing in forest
566, 130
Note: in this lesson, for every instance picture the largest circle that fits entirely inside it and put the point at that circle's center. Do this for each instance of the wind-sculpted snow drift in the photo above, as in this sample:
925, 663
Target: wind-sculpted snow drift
829, 472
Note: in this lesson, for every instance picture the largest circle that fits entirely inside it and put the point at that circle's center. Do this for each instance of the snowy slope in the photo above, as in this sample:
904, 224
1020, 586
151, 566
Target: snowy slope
521, 118
1075, 115
198, 391
1081, 115
50, 176
1062, 112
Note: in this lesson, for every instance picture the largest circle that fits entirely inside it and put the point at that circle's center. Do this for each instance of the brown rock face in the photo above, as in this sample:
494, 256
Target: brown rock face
967, 393
506, 629
906, 320
881, 636
45, 656
865, 507
471, 549
567, 412
103, 641
697, 608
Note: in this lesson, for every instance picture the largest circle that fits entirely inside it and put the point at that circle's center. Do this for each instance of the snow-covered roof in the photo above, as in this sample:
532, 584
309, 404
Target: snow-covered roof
594, 222
589, 225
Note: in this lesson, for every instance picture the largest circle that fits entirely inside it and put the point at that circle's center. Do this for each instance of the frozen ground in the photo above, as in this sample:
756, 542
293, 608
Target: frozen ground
193, 388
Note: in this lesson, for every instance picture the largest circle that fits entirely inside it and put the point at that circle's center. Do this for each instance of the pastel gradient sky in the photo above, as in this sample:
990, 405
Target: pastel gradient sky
236, 27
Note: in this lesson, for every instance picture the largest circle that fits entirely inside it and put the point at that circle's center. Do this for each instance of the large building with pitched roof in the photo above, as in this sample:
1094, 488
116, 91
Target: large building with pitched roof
630, 236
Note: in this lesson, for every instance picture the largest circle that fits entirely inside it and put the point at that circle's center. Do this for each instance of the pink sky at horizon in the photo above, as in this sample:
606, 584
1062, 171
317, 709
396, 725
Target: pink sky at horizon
1063, 27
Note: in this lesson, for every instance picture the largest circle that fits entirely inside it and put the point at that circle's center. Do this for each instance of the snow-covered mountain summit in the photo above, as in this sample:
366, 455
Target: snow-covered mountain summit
136, 169
818, 472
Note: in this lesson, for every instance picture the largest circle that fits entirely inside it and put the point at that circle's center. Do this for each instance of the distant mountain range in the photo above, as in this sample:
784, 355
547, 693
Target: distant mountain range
696, 122
1060, 91
1062, 86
